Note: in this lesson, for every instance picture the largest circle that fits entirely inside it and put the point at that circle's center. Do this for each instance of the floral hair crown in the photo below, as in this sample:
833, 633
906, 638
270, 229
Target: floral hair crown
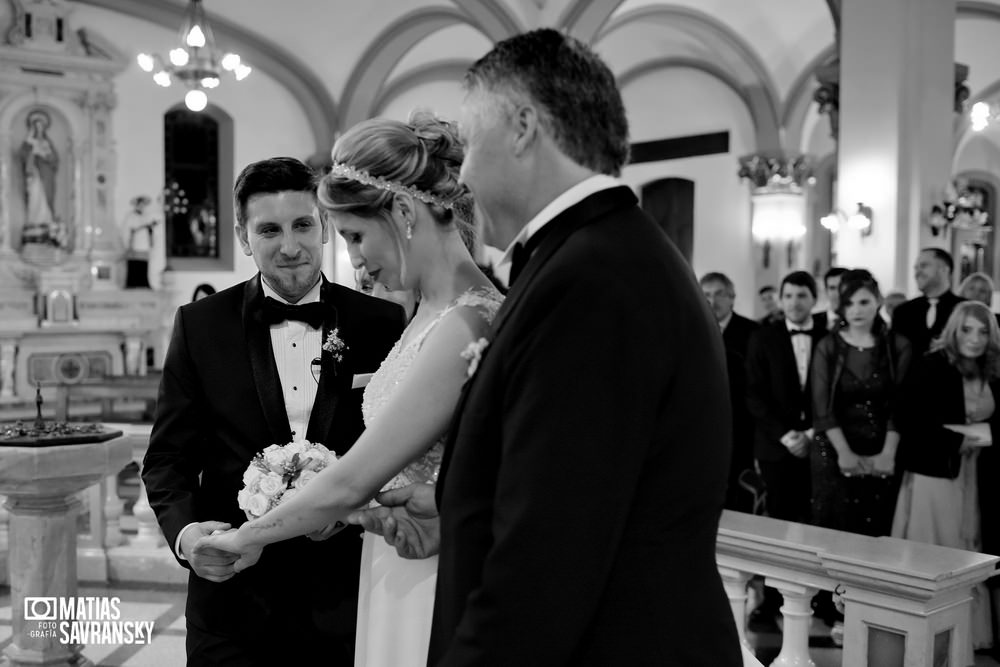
344, 170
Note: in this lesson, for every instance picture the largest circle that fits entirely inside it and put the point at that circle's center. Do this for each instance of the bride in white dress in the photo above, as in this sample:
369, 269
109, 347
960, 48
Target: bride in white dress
393, 195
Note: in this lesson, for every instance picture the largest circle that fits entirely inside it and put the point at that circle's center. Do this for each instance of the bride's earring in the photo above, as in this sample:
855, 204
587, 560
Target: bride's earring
409, 230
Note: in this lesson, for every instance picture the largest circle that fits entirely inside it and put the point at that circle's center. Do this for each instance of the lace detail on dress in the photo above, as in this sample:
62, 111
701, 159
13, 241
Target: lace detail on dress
486, 301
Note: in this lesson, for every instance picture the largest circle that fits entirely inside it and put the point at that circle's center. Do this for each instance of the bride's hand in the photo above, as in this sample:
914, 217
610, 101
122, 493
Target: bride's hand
230, 541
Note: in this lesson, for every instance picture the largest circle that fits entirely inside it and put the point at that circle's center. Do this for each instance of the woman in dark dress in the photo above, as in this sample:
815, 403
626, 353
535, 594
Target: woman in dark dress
856, 374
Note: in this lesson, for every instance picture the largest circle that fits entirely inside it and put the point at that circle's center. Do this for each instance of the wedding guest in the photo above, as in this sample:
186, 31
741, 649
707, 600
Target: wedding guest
889, 304
736, 330
780, 399
977, 287
768, 296
948, 421
237, 378
831, 285
921, 319
856, 372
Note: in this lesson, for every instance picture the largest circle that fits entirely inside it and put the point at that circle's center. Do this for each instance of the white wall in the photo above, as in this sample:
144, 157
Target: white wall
267, 122
680, 102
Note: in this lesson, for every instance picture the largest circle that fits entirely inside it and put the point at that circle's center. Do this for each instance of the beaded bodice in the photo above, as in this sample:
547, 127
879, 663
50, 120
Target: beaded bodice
485, 301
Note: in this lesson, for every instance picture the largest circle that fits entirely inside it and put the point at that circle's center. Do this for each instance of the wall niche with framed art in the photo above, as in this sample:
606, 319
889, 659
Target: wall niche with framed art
198, 180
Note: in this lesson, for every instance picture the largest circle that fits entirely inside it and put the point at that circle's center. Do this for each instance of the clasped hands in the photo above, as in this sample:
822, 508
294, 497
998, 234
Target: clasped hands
880, 465
407, 520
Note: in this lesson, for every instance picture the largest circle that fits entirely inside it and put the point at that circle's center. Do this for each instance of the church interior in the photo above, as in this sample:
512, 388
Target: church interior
767, 137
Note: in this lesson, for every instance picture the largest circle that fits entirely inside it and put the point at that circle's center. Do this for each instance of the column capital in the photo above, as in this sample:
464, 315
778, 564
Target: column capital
776, 172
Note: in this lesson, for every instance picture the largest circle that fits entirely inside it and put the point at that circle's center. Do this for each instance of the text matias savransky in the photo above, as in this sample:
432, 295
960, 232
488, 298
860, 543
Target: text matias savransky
83, 620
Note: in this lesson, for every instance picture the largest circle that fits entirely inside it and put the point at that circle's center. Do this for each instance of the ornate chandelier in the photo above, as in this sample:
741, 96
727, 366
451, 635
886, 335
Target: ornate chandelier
196, 62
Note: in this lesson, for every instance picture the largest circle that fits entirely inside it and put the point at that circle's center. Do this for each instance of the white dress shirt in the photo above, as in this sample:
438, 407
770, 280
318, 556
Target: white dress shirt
294, 345
724, 322
802, 347
574, 195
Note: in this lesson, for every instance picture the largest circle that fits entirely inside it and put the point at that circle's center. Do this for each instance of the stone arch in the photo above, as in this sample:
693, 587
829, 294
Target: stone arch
710, 68
304, 85
447, 70
584, 18
744, 64
365, 84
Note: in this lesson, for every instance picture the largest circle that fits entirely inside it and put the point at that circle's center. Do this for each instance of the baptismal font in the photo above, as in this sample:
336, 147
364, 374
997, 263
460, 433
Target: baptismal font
43, 466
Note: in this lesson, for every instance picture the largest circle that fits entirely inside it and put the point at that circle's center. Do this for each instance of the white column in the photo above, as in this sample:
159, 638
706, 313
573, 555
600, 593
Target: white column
735, 583
895, 148
797, 615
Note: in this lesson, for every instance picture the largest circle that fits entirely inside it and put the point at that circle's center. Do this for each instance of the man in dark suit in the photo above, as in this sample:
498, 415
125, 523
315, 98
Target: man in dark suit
736, 329
578, 513
922, 319
780, 400
245, 369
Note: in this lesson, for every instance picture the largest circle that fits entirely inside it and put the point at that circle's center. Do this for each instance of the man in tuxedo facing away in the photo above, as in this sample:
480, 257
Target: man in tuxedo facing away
736, 330
780, 399
245, 369
922, 319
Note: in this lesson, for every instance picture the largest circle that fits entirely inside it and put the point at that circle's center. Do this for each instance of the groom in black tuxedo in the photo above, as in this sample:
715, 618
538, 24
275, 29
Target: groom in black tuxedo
245, 370
583, 480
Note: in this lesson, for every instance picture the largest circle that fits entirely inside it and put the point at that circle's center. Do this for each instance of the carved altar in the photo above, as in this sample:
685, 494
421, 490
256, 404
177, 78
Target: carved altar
64, 315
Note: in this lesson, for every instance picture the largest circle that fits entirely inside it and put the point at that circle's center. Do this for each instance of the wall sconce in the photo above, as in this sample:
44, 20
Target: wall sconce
860, 220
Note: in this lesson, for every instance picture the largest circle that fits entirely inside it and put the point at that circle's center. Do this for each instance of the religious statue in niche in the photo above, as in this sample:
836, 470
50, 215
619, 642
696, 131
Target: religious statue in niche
138, 232
40, 166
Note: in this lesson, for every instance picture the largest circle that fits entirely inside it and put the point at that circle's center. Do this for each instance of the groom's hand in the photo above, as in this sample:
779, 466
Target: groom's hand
407, 520
208, 563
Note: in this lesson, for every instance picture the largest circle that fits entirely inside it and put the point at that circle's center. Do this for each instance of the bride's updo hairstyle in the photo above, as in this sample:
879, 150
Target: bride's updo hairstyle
377, 158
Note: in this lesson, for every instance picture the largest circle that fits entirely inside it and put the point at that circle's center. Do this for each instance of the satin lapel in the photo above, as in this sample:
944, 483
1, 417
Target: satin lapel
334, 377
265, 371
556, 232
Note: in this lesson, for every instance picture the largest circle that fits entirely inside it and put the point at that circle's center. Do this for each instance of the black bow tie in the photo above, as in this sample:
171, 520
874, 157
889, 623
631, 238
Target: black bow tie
804, 332
313, 314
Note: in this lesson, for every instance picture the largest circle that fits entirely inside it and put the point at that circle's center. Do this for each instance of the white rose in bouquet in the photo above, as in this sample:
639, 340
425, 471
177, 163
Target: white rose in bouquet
275, 460
257, 505
298, 447
271, 485
252, 475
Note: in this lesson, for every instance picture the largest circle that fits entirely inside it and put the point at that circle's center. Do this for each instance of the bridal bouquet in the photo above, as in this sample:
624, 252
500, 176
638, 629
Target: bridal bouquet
277, 473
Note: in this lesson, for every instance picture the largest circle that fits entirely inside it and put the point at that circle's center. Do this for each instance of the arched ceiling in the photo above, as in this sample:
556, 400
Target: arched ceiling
341, 59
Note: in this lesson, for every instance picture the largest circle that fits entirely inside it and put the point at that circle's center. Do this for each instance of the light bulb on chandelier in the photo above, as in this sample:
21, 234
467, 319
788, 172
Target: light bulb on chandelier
196, 100
196, 63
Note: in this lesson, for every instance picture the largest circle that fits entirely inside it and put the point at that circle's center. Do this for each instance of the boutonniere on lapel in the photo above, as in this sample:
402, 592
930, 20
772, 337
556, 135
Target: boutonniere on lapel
473, 353
335, 347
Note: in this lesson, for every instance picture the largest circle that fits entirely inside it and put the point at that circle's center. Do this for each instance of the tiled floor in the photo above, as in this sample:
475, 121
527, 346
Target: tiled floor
165, 607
